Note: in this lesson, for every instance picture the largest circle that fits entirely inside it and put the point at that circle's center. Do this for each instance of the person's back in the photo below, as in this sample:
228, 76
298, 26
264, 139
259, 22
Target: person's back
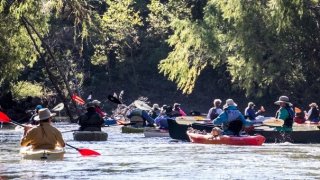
215, 111
43, 136
90, 121
147, 120
313, 113
231, 119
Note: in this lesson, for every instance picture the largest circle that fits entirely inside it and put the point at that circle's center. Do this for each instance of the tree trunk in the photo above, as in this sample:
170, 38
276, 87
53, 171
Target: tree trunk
50, 74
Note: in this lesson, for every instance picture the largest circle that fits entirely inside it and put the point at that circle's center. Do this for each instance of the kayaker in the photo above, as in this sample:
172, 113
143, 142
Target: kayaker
250, 113
155, 111
215, 111
177, 111
162, 120
285, 112
231, 119
44, 135
99, 110
91, 120
36, 110
144, 117
313, 113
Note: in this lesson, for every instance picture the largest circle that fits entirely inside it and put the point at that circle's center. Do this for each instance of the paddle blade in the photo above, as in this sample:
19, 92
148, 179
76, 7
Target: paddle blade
114, 99
297, 110
273, 122
4, 118
88, 152
78, 99
58, 107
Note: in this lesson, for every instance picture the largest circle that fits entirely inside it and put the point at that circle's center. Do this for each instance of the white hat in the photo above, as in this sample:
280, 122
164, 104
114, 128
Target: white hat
96, 102
284, 99
44, 114
229, 102
155, 106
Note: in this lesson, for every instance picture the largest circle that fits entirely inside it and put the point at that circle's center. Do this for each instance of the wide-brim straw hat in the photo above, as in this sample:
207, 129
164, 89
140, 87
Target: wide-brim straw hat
44, 114
283, 99
229, 102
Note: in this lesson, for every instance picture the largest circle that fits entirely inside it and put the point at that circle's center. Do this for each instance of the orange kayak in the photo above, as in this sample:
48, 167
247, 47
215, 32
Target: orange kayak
246, 140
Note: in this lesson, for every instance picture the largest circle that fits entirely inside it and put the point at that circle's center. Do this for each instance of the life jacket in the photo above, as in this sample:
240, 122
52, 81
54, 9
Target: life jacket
288, 122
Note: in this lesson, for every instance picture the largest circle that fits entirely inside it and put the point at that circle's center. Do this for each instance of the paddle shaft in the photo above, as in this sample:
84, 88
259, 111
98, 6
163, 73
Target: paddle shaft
72, 147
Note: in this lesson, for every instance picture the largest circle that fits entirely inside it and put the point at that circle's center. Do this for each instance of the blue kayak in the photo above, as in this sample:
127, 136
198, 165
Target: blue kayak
108, 122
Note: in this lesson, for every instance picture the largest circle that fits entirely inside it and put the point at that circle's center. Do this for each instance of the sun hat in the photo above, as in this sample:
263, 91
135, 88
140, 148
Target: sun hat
229, 102
38, 107
44, 114
313, 105
250, 104
176, 105
284, 99
155, 107
217, 101
96, 102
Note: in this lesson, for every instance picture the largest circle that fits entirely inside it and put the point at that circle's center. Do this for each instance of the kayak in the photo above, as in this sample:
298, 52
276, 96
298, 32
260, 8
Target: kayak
90, 136
153, 132
108, 122
42, 154
190, 119
246, 140
131, 129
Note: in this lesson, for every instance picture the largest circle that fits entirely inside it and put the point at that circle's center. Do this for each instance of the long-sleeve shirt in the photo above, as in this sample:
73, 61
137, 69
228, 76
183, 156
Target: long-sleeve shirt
43, 136
250, 113
228, 115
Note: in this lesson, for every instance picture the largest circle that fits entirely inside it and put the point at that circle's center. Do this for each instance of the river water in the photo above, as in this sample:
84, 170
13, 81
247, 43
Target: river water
132, 156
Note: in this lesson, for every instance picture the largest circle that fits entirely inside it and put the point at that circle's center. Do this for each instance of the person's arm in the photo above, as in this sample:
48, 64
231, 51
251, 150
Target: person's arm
147, 117
60, 140
27, 136
220, 119
245, 122
182, 112
309, 113
209, 113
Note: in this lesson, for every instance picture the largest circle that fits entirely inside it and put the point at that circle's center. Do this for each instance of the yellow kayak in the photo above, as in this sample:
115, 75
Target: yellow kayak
42, 154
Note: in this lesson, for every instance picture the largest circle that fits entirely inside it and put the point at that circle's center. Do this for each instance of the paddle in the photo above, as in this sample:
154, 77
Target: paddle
84, 152
273, 122
114, 99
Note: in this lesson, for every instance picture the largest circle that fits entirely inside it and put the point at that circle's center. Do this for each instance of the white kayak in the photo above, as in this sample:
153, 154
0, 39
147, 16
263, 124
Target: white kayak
153, 132
90, 136
42, 154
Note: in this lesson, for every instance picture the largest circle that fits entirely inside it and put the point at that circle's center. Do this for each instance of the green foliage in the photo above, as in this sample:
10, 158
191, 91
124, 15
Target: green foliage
23, 89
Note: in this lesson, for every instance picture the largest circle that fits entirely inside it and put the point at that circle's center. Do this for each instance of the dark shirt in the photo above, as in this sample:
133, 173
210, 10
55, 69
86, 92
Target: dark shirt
90, 121
250, 113
143, 114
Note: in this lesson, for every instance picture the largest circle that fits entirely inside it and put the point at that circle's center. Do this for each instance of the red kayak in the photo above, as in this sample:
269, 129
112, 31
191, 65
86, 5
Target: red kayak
246, 140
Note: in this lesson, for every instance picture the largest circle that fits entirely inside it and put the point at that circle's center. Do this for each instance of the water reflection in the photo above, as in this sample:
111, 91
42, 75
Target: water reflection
131, 156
